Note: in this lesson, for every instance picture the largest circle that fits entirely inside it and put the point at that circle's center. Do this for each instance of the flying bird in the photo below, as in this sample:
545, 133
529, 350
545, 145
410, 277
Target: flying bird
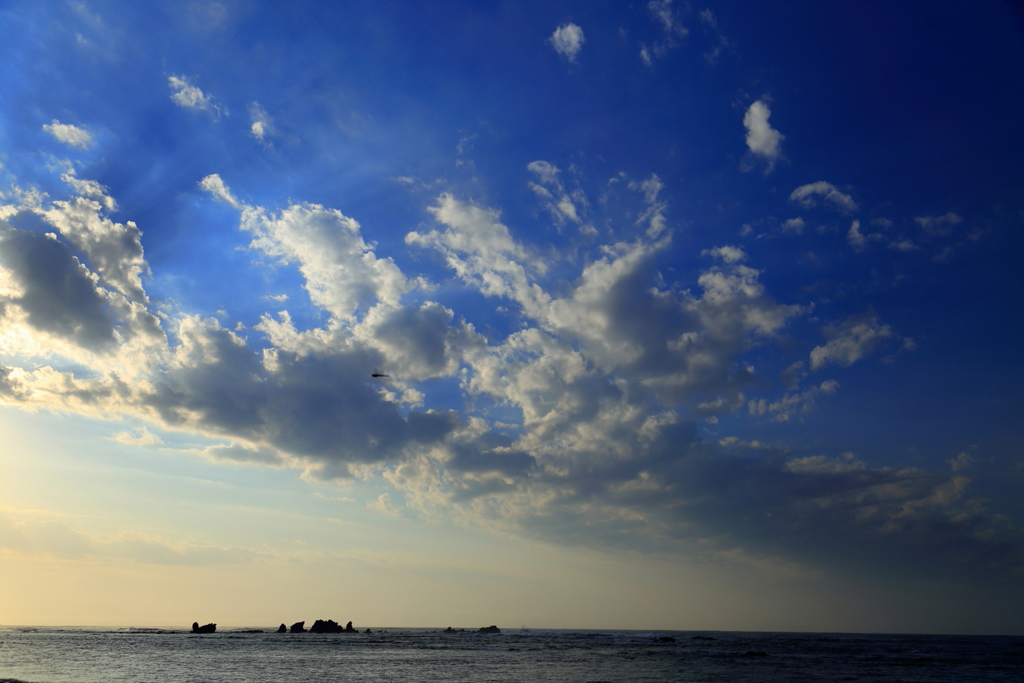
378, 373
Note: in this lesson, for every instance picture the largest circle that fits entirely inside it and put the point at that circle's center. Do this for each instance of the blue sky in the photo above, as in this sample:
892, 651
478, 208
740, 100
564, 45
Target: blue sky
727, 295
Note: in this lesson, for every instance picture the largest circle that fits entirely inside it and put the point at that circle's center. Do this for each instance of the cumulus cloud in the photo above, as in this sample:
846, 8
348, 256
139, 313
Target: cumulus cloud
70, 135
762, 140
600, 387
850, 341
811, 194
113, 249
567, 40
53, 292
728, 254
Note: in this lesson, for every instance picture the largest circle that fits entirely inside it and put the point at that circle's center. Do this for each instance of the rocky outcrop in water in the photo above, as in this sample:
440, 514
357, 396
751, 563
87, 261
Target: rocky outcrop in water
282, 629
490, 629
329, 626
208, 628
298, 627
349, 629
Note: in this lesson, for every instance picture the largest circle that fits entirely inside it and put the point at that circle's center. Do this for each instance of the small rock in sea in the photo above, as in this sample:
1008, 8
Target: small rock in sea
448, 630
664, 639
298, 627
208, 628
349, 629
490, 629
282, 629
367, 631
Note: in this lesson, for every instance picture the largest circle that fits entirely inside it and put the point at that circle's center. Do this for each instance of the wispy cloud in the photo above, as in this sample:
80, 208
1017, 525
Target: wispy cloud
811, 194
188, 96
672, 29
850, 341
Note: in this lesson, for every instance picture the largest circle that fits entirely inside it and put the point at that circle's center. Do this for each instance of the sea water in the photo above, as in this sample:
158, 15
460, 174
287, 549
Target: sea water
421, 655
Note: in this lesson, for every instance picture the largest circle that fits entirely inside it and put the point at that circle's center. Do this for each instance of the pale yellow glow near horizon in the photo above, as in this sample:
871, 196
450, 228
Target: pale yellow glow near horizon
95, 532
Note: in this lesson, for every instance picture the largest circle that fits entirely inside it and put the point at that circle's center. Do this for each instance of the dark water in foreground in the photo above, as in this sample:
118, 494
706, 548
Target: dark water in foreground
413, 656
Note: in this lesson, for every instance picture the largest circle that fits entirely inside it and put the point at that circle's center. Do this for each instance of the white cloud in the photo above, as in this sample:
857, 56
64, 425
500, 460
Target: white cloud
808, 195
341, 271
567, 40
937, 226
186, 95
69, 134
90, 189
707, 18
728, 254
609, 370
855, 237
962, 461
762, 139
562, 205
215, 186
662, 11
140, 436
262, 125
850, 341
904, 245
672, 28
114, 249
783, 409
794, 226
383, 505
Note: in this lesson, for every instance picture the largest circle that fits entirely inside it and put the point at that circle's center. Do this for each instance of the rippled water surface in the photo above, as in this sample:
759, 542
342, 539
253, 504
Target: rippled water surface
143, 656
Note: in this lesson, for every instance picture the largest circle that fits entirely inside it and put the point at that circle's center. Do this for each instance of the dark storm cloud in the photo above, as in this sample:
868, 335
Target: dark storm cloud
823, 512
59, 295
320, 406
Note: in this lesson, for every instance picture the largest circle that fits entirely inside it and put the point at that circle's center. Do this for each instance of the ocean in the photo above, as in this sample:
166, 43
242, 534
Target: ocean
47, 655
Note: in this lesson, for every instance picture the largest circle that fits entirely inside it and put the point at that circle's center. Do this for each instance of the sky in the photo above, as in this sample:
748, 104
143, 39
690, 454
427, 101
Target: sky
662, 315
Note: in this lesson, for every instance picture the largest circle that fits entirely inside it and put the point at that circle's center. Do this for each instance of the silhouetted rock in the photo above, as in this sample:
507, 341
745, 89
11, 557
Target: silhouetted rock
449, 630
664, 639
282, 629
490, 629
349, 629
329, 626
367, 631
208, 628
298, 627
